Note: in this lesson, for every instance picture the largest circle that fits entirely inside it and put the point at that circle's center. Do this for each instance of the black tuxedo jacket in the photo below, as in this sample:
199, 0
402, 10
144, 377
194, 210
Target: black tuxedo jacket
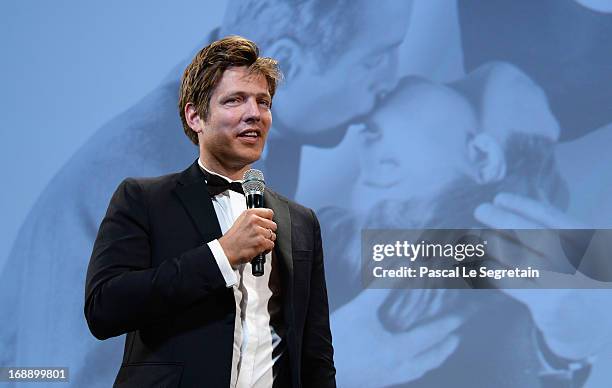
151, 275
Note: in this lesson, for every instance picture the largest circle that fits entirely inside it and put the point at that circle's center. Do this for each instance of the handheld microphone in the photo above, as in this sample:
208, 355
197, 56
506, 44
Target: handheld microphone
253, 186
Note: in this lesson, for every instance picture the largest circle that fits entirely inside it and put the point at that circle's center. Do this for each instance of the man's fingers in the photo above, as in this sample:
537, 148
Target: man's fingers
263, 212
544, 214
505, 247
267, 224
498, 217
519, 212
258, 218
430, 345
403, 309
523, 248
267, 233
263, 247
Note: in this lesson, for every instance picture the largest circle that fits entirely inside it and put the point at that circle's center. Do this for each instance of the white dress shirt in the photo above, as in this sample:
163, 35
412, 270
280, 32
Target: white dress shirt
257, 342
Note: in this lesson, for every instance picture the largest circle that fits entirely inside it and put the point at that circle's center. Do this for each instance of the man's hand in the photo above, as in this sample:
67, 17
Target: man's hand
575, 323
252, 233
362, 343
547, 252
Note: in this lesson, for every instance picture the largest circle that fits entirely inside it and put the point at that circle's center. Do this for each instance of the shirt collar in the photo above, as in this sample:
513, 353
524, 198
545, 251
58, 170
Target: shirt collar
215, 173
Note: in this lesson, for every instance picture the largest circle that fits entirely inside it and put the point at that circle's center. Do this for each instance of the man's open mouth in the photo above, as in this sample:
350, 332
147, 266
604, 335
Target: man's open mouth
250, 133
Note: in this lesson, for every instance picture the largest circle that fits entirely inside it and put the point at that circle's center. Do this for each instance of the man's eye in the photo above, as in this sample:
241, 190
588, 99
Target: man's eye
232, 100
265, 103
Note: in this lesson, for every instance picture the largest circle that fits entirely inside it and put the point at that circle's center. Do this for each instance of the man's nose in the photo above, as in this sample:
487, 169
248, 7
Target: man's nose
252, 112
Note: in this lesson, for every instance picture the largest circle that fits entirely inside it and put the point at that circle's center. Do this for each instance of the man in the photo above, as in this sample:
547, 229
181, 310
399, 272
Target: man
61, 227
194, 313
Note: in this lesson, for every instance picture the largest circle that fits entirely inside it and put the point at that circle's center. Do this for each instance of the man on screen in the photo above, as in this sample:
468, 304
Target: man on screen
171, 263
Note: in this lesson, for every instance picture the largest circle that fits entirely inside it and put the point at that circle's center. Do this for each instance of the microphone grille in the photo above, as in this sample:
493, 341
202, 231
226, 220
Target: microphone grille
253, 181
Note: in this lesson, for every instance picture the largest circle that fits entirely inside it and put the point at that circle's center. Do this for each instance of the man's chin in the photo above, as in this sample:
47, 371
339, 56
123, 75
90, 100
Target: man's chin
250, 159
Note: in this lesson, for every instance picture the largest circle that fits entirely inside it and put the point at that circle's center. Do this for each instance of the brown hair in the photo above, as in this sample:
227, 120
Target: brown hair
204, 73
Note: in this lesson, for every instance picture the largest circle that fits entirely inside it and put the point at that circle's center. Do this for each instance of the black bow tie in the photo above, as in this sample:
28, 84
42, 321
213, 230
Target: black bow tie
216, 184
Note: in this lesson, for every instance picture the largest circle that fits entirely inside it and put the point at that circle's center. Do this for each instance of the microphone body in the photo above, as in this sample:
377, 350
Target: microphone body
255, 200
253, 186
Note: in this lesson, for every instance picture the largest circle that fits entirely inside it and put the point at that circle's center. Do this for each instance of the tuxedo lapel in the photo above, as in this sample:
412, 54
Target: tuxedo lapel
191, 190
283, 232
283, 251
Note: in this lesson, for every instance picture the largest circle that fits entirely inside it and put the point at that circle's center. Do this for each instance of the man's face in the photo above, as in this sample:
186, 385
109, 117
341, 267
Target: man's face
234, 134
328, 93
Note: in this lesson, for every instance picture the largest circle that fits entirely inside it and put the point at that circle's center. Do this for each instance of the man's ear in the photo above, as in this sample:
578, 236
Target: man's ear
487, 158
289, 54
193, 118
